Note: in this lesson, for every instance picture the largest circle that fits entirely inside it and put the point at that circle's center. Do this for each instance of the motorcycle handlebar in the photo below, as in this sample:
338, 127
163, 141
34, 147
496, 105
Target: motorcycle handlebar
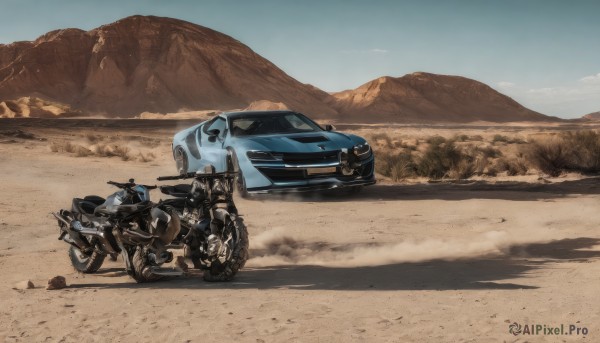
128, 185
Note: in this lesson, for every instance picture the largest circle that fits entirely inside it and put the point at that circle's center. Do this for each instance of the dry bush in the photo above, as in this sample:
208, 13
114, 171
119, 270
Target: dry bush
461, 138
397, 166
585, 147
500, 138
464, 169
512, 167
481, 159
440, 157
550, 156
382, 136
571, 151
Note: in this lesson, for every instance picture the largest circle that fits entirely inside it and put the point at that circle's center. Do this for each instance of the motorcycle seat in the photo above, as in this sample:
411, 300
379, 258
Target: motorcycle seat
104, 210
178, 191
87, 205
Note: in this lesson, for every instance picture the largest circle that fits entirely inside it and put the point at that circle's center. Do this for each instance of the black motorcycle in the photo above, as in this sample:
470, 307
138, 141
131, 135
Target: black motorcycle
126, 222
213, 235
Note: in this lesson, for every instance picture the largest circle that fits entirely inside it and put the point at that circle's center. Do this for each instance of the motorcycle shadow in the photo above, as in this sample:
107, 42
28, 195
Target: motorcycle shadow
467, 274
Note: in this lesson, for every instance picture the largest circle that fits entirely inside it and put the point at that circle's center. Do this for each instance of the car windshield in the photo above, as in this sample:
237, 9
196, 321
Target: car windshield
276, 123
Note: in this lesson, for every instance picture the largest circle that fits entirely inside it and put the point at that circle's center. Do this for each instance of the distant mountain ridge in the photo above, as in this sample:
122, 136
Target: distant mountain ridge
592, 116
431, 97
160, 65
150, 64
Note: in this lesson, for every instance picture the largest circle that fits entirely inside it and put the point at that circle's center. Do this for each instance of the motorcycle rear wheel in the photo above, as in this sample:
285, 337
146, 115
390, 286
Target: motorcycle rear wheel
83, 263
226, 271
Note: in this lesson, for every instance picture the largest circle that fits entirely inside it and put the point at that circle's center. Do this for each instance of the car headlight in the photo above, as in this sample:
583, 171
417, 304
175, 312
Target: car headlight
263, 156
362, 150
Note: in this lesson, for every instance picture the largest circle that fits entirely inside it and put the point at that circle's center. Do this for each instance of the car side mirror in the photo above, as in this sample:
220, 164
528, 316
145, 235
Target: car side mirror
329, 127
212, 135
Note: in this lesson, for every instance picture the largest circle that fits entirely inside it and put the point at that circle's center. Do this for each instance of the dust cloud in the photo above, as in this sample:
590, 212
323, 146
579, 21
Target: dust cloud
275, 247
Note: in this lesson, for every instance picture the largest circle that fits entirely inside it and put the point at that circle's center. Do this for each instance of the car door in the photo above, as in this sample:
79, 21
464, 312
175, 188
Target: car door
212, 150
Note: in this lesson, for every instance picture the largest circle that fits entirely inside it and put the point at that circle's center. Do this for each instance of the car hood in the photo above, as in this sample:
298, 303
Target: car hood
300, 142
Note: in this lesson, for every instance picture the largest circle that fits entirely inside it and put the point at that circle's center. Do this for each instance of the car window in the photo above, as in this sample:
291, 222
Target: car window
218, 124
272, 124
297, 123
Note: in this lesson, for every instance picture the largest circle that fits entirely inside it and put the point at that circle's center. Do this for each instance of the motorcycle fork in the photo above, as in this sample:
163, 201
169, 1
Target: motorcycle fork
124, 253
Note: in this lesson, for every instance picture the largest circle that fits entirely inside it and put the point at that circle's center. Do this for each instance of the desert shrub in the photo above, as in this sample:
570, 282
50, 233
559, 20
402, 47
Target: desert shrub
382, 136
585, 150
440, 157
397, 166
435, 140
462, 138
500, 138
464, 169
488, 152
512, 167
476, 138
550, 156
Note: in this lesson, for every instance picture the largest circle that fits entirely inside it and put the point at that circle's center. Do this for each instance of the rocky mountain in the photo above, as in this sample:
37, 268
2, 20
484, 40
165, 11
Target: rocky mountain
425, 97
592, 116
146, 63
155, 65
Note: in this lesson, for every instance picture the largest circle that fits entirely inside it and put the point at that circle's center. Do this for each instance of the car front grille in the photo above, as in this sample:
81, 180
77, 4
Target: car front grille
278, 175
312, 157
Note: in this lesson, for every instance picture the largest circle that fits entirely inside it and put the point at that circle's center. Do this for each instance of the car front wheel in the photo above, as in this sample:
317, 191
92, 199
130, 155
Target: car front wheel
181, 160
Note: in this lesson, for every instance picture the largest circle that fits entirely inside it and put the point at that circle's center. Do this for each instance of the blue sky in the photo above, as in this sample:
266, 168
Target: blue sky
543, 53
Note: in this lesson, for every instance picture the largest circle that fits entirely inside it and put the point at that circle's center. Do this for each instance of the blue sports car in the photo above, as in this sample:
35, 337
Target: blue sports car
275, 151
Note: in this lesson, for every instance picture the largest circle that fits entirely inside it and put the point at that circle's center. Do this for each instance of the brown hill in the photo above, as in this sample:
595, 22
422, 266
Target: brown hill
424, 97
592, 116
146, 63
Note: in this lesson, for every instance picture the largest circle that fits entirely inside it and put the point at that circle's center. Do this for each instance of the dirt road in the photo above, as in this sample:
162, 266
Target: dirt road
396, 263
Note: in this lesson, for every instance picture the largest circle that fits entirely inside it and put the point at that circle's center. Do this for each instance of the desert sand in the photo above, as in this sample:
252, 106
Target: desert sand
399, 262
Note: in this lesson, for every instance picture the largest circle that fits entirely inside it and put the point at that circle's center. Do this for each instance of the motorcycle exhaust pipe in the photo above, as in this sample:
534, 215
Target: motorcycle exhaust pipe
69, 235
74, 229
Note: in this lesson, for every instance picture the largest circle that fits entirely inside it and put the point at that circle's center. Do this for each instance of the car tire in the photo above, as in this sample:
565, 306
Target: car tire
181, 160
233, 166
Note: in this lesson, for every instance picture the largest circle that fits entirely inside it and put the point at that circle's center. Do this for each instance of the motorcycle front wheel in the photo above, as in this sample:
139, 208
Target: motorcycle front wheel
226, 270
85, 263
141, 269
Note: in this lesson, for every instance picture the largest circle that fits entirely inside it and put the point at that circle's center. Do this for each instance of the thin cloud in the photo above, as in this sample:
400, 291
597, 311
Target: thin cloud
573, 99
591, 79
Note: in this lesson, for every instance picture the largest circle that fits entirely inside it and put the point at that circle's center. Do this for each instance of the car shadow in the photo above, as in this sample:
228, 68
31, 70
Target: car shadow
451, 191
514, 270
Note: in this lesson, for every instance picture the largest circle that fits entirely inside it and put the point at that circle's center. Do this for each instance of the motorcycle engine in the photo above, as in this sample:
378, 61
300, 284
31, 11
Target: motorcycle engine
165, 225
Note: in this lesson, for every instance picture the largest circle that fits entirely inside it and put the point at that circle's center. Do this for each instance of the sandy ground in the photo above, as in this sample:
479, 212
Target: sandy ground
397, 263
